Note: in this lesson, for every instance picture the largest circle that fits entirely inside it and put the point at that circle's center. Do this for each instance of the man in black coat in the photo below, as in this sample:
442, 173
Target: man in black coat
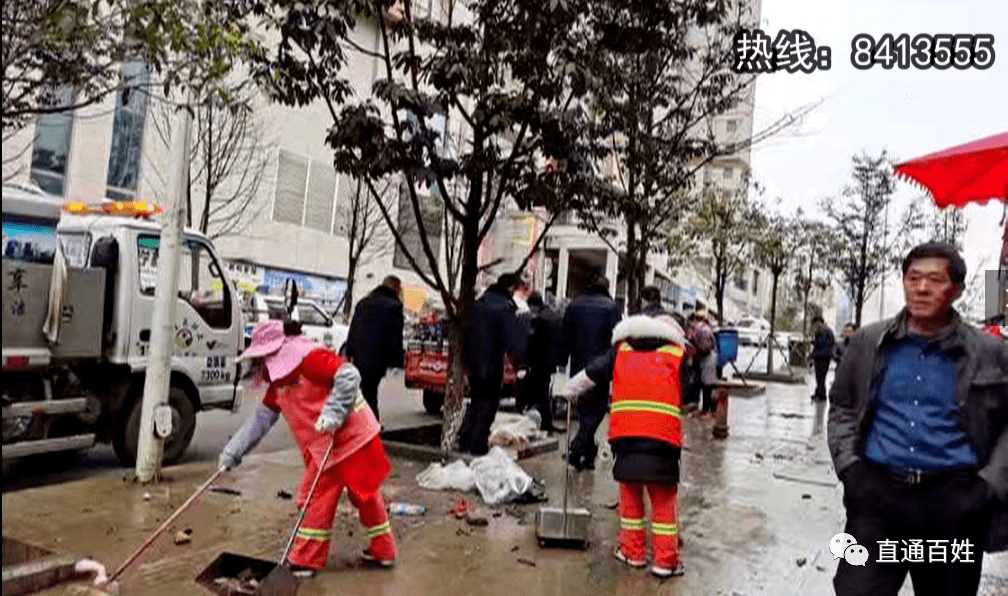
587, 329
543, 327
492, 331
375, 338
822, 353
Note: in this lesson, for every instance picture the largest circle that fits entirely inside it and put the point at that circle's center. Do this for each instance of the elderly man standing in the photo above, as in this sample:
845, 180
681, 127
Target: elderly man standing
918, 431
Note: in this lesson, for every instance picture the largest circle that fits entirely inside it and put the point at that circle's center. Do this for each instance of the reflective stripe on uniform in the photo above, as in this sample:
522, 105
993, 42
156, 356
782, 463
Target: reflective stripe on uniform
671, 349
314, 534
629, 523
640, 405
359, 403
666, 349
379, 530
664, 529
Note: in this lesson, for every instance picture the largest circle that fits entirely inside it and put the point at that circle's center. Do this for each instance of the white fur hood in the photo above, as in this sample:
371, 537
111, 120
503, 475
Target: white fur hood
643, 326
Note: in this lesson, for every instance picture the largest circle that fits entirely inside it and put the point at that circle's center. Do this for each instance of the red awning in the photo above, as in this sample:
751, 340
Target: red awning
972, 173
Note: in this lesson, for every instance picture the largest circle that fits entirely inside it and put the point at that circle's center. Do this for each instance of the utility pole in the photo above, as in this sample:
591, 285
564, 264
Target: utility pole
150, 446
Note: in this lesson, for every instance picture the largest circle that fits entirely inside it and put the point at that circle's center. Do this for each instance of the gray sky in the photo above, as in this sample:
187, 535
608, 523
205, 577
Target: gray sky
911, 113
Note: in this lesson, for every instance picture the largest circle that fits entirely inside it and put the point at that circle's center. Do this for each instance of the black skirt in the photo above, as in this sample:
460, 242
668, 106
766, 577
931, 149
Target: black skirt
645, 461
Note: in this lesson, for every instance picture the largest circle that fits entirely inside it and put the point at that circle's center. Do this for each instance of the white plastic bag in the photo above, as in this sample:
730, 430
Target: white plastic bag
498, 478
454, 476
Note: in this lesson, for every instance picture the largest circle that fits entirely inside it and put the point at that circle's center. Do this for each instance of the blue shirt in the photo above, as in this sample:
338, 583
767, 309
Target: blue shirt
916, 422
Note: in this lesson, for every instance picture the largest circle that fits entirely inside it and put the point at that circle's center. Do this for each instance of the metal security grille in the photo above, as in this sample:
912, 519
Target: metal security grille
289, 196
321, 190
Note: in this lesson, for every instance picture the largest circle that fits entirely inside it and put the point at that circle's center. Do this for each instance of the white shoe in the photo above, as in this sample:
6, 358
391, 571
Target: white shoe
665, 572
622, 558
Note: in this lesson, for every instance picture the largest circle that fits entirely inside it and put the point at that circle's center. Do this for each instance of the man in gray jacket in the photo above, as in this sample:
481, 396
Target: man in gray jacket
918, 431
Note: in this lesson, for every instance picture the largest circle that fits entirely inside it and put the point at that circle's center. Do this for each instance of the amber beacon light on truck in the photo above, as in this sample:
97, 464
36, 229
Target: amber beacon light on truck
141, 209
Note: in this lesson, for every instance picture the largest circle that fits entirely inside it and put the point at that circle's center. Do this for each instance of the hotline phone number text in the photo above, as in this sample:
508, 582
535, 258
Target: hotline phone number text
941, 51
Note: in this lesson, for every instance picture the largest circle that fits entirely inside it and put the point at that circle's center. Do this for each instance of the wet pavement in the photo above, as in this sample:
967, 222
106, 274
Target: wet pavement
756, 513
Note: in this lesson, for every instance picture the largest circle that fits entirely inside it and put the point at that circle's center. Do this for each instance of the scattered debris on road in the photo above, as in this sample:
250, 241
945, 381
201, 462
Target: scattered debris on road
460, 507
284, 494
237, 586
801, 561
526, 562
183, 537
612, 504
514, 548
476, 517
147, 497
226, 490
820, 568
806, 496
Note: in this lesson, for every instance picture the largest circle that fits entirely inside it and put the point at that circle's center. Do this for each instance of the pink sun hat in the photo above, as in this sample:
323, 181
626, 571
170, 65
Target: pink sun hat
283, 354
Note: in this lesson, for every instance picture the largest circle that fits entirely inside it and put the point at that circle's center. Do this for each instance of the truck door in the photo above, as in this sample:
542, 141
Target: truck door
207, 318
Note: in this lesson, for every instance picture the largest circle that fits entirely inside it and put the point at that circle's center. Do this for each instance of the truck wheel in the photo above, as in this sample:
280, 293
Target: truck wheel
433, 402
127, 440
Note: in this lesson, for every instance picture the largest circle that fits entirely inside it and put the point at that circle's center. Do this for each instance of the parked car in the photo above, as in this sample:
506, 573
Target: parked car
315, 322
753, 331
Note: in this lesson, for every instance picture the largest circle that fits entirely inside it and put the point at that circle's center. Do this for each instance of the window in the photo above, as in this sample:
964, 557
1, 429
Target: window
422, 9
740, 280
28, 241
309, 314
431, 211
275, 309
127, 133
320, 197
291, 181
755, 281
52, 145
200, 281
731, 125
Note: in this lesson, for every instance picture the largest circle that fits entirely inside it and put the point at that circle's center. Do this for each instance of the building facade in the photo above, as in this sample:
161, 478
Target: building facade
119, 149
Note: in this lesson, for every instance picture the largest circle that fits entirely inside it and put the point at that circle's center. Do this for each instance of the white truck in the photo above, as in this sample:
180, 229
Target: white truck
78, 300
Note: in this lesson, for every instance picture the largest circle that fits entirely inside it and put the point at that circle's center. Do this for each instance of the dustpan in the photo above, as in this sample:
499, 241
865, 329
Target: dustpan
563, 525
234, 575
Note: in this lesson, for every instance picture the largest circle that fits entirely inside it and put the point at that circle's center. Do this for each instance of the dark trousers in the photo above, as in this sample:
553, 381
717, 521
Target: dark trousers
591, 411
821, 368
708, 398
369, 387
882, 509
691, 383
484, 401
534, 393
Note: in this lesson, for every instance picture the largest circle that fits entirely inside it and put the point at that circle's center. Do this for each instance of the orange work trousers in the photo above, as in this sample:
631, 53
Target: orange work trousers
664, 528
311, 547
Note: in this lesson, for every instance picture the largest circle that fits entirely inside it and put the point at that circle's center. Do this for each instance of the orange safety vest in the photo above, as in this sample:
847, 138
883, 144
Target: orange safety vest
647, 394
300, 400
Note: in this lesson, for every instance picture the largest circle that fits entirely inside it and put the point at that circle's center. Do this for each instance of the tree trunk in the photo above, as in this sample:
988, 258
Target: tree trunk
633, 273
720, 279
807, 289
208, 191
773, 323
458, 315
452, 411
348, 294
